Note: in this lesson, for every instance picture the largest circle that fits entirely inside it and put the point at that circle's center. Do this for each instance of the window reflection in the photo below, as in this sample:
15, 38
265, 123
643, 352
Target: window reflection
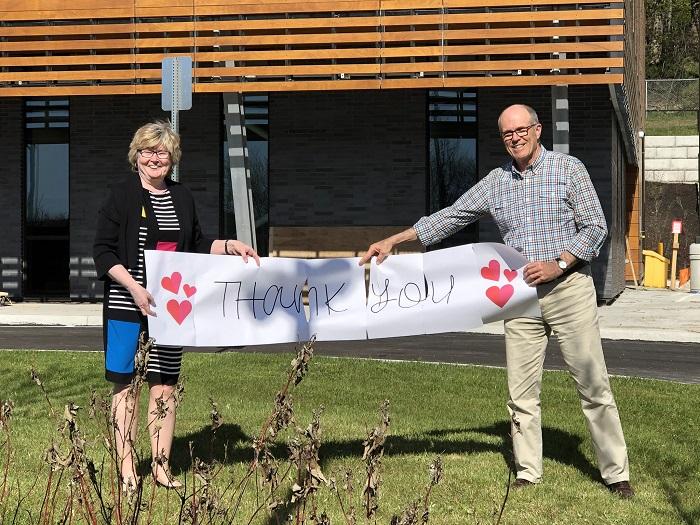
453, 159
47, 184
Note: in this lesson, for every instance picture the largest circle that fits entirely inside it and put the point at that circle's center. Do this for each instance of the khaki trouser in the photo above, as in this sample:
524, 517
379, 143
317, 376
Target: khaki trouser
569, 310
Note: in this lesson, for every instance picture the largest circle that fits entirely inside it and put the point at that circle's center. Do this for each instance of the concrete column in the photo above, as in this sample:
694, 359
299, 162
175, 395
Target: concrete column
560, 119
234, 118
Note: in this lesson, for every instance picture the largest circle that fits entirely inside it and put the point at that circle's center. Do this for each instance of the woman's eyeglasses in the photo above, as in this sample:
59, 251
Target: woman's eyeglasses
147, 154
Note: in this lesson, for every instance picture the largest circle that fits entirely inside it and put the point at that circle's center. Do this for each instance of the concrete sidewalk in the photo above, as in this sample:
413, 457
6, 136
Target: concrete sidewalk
637, 314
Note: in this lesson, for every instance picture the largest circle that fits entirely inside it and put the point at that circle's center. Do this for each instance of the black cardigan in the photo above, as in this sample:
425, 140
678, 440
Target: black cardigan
119, 218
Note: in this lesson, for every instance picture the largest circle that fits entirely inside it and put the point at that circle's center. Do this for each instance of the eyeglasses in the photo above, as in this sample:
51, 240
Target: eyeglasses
147, 154
520, 132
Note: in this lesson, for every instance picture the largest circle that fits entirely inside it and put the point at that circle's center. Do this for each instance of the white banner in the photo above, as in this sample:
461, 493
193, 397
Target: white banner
218, 300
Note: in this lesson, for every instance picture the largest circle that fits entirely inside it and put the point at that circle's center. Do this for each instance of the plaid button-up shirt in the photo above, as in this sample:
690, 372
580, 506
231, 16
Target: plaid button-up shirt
549, 207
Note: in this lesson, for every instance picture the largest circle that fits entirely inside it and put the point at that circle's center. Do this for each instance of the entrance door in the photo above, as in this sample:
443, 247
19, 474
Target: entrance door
46, 219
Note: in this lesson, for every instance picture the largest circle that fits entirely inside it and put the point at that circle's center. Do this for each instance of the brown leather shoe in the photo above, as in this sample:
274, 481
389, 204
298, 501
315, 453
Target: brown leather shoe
521, 483
622, 489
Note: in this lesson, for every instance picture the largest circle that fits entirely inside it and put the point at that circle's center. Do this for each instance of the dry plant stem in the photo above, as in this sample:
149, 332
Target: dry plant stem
167, 508
40, 384
125, 409
372, 455
282, 409
4, 492
349, 519
161, 428
296, 374
268, 497
6, 409
99, 492
52, 509
87, 501
68, 509
21, 498
44, 503
505, 498
151, 502
243, 485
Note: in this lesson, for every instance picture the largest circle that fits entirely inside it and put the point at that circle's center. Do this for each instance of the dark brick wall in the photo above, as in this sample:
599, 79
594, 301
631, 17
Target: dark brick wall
593, 139
614, 251
336, 159
101, 129
347, 158
11, 152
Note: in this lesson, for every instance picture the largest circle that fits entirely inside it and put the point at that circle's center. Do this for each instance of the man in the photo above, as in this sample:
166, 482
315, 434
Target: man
545, 206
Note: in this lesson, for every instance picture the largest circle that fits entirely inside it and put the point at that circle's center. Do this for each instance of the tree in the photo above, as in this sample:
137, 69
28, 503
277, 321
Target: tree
672, 38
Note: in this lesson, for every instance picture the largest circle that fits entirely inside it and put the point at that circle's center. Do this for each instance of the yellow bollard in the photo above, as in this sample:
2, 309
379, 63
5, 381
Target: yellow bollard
660, 249
655, 269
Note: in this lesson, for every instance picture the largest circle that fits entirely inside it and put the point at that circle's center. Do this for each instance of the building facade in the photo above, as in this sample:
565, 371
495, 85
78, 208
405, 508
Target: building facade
360, 117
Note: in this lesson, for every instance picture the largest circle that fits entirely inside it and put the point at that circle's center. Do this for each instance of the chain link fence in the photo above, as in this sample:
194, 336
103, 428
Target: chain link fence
673, 95
673, 107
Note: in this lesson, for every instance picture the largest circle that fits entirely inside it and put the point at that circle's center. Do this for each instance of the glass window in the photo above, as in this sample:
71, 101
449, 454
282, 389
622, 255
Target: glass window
453, 156
47, 183
46, 210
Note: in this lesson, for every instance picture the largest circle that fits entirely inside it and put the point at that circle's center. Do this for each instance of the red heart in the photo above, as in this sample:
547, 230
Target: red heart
189, 290
179, 311
500, 296
510, 275
492, 271
172, 283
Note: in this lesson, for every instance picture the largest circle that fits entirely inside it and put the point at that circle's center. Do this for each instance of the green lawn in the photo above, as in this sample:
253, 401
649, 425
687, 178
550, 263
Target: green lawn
457, 412
667, 123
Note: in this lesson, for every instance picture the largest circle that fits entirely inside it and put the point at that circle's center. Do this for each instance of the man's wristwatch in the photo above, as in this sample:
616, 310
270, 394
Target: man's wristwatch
562, 264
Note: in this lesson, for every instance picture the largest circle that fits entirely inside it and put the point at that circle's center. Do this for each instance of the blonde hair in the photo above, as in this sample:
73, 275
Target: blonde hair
153, 135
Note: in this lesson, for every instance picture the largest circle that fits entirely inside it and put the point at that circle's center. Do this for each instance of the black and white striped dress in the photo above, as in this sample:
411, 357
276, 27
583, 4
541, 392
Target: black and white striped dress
164, 361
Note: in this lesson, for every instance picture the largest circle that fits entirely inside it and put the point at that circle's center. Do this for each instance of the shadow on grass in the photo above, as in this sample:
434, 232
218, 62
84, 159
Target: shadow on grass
674, 477
690, 516
232, 445
557, 445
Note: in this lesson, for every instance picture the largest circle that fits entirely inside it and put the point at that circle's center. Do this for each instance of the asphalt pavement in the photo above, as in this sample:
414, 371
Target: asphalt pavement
667, 360
647, 333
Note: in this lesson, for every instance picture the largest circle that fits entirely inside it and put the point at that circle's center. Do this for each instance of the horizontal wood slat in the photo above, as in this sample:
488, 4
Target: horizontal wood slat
333, 69
305, 23
112, 47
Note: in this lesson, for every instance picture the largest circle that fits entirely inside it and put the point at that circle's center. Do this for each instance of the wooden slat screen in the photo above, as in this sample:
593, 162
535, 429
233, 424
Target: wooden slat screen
113, 47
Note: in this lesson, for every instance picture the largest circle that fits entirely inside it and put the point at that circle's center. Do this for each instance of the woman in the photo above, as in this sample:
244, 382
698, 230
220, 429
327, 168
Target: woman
146, 211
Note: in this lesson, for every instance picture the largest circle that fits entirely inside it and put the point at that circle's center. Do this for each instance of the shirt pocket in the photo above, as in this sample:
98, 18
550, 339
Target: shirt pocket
553, 201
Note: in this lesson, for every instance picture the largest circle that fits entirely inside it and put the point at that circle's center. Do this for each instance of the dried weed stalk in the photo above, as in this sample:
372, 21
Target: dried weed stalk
77, 491
6, 409
303, 453
418, 511
372, 456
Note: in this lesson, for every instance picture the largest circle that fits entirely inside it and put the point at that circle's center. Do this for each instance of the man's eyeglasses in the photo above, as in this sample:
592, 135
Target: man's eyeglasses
147, 154
520, 132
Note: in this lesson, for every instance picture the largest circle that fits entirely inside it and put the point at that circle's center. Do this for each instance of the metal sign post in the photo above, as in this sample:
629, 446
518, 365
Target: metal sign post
176, 85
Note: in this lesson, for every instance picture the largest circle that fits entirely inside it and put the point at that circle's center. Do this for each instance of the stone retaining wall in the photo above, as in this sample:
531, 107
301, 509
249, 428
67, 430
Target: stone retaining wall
671, 159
